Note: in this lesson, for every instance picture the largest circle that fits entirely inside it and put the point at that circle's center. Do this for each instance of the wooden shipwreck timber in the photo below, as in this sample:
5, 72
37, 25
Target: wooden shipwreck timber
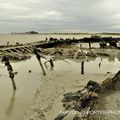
82, 102
24, 51
103, 41
16, 52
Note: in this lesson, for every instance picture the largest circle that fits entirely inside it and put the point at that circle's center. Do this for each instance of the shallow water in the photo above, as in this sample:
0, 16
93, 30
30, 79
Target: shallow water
13, 105
99, 65
13, 38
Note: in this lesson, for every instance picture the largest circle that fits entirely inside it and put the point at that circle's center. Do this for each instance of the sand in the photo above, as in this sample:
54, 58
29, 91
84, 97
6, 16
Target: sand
47, 102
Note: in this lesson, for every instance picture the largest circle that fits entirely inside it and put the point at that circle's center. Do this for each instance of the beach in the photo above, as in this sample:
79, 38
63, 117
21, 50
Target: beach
39, 97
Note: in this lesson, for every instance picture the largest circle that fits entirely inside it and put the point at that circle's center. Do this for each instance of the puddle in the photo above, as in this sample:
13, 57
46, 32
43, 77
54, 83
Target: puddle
14, 104
99, 65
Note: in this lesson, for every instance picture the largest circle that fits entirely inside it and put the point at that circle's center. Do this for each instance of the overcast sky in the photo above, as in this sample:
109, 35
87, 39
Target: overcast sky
60, 15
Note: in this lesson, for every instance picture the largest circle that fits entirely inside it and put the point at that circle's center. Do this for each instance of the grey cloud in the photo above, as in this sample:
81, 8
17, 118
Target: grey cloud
60, 15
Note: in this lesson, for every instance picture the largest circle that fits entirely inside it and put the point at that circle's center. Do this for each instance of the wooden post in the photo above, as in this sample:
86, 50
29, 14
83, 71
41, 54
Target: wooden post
44, 73
7, 43
90, 45
38, 56
51, 63
11, 75
13, 83
10, 70
81, 47
82, 68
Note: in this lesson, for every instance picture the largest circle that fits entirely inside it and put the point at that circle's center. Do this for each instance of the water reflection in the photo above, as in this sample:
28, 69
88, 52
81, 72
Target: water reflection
100, 65
111, 59
66, 62
51, 68
48, 67
11, 104
96, 64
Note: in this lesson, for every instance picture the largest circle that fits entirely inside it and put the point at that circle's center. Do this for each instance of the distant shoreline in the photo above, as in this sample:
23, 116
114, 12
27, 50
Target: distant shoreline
60, 34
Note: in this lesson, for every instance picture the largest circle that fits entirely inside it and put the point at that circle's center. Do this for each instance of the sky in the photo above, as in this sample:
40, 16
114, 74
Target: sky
59, 15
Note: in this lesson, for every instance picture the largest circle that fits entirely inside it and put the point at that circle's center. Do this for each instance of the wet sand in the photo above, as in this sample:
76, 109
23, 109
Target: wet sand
47, 104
